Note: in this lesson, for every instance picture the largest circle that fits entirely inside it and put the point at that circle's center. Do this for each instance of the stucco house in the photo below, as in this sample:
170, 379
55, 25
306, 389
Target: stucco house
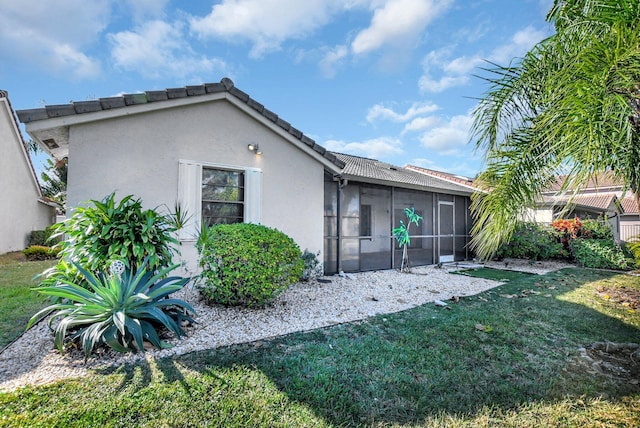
602, 197
226, 158
23, 207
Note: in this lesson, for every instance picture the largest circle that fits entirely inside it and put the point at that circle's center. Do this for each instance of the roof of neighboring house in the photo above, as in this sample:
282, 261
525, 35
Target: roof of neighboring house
629, 206
602, 201
376, 172
73, 112
601, 181
465, 181
4, 96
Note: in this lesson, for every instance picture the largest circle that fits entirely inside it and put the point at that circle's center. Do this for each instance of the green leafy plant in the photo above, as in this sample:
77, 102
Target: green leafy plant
535, 242
110, 230
401, 233
122, 309
312, 266
633, 247
596, 229
43, 237
599, 253
246, 264
40, 252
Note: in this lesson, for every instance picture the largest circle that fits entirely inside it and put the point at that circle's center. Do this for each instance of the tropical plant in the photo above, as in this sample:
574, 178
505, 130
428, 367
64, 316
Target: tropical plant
246, 264
401, 233
122, 309
570, 106
54, 183
110, 230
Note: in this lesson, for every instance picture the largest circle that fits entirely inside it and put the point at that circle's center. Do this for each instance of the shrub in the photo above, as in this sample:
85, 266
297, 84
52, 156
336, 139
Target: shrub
599, 253
40, 252
312, 266
110, 230
596, 229
121, 310
246, 264
533, 241
633, 247
43, 237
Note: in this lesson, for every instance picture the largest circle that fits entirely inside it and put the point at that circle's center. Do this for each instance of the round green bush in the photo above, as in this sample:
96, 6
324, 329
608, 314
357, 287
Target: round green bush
600, 254
246, 264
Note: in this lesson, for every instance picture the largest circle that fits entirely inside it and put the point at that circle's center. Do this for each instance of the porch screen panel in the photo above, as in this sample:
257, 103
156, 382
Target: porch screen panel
375, 228
421, 246
460, 216
446, 230
330, 225
350, 228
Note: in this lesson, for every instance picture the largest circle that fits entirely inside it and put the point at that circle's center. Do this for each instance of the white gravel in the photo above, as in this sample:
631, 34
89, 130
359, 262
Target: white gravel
32, 360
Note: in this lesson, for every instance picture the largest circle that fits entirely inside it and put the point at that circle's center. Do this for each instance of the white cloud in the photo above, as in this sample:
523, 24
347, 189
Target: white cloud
442, 73
53, 34
448, 138
142, 10
158, 49
265, 23
374, 148
332, 59
379, 111
396, 22
420, 124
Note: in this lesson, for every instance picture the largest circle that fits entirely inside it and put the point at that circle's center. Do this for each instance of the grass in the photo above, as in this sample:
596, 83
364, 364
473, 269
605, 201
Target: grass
428, 366
17, 301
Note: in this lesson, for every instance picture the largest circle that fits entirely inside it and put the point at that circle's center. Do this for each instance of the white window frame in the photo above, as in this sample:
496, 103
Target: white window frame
190, 194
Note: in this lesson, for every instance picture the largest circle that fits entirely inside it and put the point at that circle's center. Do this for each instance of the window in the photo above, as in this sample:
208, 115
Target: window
222, 196
215, 193
365, 220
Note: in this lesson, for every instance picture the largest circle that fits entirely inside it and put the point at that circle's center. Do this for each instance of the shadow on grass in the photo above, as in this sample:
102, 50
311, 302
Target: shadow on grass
513, 345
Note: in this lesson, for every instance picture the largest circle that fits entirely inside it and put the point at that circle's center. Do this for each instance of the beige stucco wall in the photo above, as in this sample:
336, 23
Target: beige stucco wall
21, 212
540, 215
139, 155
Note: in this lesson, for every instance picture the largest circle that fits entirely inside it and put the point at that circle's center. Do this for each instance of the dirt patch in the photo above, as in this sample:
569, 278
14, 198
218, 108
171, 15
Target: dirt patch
619, 361
628, 297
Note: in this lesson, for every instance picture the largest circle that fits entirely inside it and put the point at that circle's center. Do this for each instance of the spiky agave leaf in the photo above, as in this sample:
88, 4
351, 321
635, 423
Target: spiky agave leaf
120, 311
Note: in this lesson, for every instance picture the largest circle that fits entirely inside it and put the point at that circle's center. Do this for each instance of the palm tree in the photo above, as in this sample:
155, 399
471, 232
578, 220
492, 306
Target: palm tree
54, 182
570, 106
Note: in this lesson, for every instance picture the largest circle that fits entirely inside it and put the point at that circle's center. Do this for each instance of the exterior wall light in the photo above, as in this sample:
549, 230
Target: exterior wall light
254, 148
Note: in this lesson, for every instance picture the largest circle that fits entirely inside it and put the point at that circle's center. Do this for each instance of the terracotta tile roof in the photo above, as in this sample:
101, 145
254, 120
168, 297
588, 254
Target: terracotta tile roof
465, 181
629, 205
601, 201
127, 100
374, 171
599, 181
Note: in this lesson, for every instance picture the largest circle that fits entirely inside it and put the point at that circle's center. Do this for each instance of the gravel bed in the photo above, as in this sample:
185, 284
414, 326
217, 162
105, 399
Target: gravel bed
32, 359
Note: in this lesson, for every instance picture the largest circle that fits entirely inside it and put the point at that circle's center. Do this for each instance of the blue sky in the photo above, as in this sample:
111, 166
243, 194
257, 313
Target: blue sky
387, 79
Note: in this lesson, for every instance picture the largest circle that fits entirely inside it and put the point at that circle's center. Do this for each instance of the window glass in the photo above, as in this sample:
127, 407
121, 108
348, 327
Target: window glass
222, 196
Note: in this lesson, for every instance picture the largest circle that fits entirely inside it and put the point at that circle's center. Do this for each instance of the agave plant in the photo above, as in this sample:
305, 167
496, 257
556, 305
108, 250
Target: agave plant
121, 309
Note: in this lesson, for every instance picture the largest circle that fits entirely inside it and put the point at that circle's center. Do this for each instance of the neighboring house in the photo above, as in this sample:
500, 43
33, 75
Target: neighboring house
602, 197
24, 208
226, 158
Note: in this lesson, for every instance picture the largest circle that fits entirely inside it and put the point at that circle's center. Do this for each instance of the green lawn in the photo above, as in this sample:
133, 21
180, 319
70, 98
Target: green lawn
17, 301
506, 357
